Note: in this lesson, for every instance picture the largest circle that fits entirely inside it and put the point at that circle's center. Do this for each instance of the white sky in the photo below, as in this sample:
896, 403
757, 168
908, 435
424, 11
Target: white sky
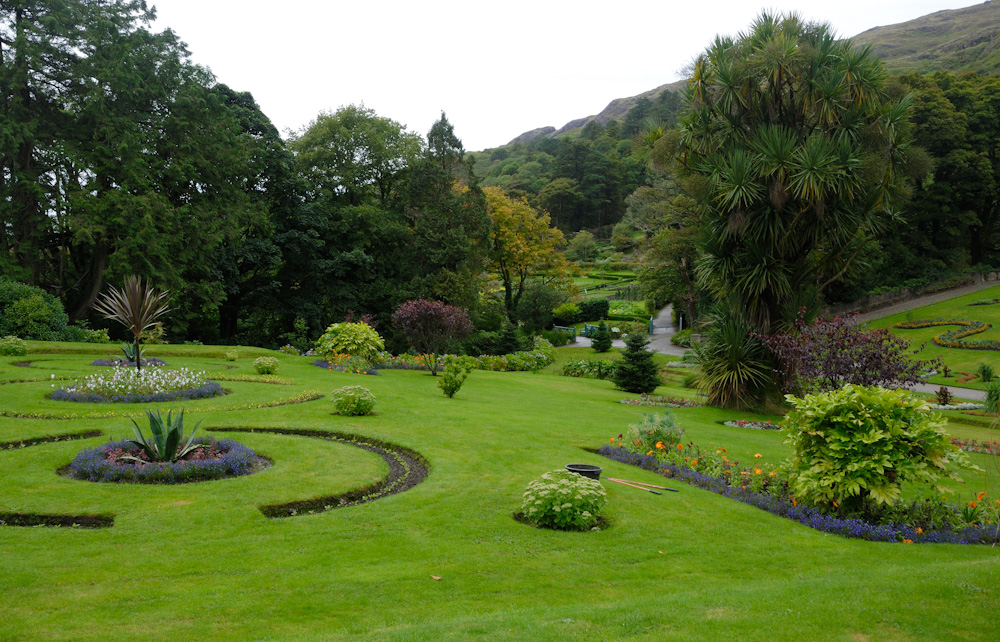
496, 68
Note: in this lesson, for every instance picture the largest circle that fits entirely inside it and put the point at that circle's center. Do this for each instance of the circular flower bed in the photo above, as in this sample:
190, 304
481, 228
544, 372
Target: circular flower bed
118, 361
218, 459
128, 385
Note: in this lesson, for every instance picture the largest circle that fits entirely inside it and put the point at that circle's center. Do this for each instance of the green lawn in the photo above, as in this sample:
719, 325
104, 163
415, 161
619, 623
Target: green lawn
958, 360
199, 561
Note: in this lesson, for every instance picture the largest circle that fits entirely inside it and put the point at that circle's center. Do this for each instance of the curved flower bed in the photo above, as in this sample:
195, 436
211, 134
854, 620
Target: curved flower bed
654, 400
209, 389
346, 363
121, 363
783, 507
976, 446
753, 425
129, 385
954, 338
225, 458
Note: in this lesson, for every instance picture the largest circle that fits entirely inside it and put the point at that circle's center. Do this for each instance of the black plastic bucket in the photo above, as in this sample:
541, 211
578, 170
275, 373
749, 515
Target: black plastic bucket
587, 470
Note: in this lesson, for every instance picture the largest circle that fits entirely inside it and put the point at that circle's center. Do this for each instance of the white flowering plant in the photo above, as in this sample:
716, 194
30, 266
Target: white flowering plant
151, 380
563, 500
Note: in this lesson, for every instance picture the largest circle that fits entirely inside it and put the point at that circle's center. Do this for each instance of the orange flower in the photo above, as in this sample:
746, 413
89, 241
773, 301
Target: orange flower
694, 462
980, 495
612, 440
650, 452
757, 455
757, 471
973, 504
907, 541
680, 446
794, 502
636, 442
660, 446
717, 452
836, 505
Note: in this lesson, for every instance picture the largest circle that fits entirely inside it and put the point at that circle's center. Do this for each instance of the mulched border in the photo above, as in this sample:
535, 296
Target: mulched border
50, 519
407, 468
57, 521
51, 439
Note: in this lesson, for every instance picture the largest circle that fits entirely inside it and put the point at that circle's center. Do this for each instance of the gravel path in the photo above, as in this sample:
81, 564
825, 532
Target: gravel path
923, 301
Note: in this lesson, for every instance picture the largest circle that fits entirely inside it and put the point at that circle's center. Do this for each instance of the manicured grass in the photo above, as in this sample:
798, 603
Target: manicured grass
199, 561
955, 358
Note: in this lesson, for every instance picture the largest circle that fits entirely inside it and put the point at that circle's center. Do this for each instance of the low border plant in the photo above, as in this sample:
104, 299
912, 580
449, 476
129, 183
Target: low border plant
266, 365
353, 401
11, 346
564, 501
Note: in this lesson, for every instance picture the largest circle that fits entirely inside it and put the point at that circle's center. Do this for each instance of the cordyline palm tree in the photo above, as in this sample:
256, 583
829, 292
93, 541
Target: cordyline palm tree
801, 142
136, 306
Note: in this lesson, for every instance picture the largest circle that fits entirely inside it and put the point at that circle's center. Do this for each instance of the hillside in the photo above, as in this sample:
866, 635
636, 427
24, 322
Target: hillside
957, 40
615, 110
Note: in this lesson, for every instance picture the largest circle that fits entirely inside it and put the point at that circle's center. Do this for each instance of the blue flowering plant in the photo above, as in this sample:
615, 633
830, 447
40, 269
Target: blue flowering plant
122, 461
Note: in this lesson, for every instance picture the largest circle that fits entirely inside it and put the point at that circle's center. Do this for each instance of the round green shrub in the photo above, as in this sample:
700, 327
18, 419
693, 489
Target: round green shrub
354, 401
232, 355
11, 346
30, 312
354, 339
265, 365
564, 501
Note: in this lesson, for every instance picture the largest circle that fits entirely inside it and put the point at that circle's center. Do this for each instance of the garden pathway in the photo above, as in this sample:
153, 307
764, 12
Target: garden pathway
663, 329
930, 299
925, 300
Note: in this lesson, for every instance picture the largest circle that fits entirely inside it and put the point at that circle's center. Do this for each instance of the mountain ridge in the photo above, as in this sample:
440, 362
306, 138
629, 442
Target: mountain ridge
966, 39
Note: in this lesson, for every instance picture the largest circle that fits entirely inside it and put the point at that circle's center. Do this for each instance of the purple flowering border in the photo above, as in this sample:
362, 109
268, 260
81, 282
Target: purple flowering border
118, 361
210, 389
853, 528
326, 366
93, 465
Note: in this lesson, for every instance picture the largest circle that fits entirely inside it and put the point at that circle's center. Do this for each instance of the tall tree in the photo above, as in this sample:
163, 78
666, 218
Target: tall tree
524, 245
354, 155
802, 145
446, 212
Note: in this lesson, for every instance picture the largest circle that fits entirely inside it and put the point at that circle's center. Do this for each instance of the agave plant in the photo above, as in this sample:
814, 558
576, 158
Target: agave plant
136, 306
167, 435
131, 354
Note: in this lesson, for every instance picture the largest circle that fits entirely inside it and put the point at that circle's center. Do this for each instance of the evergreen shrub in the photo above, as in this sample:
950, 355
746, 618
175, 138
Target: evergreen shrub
636, 371
30, 313
601, 341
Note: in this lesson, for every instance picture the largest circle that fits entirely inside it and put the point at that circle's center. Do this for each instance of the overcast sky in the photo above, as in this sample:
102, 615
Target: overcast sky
497, 68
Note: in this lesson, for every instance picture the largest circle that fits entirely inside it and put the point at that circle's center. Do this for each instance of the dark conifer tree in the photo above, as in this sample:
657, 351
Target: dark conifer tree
636, 372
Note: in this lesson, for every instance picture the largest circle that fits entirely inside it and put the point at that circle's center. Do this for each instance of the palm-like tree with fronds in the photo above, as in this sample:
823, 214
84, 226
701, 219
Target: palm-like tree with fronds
802, 142
136, 306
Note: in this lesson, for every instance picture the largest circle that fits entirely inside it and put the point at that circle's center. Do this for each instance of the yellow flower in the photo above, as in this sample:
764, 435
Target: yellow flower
757, 471
757, 455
